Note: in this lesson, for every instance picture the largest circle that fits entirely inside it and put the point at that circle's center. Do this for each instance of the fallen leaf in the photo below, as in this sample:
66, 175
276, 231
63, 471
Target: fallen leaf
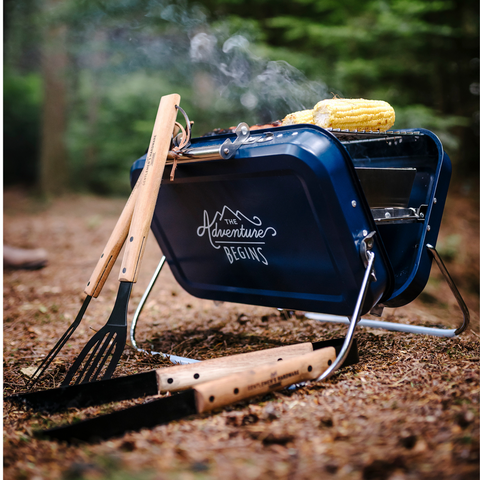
28, 371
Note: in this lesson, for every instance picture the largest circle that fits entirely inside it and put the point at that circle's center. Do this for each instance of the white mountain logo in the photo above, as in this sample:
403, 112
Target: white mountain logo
239, 236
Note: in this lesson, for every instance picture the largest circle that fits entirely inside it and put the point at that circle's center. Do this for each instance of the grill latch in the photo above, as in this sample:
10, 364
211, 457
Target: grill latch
366, 245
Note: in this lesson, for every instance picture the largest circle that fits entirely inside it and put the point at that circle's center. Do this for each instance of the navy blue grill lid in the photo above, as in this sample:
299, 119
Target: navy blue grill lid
279, 225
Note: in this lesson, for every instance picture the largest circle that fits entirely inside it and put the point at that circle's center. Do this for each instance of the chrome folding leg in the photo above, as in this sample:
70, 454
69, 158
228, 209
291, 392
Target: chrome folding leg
335, 365
453, 288
419, 329
352, 321
138, 311
368, 276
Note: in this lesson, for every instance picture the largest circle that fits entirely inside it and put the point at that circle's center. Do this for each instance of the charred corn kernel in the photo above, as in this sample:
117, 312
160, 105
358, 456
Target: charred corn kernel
354, 114
303, 116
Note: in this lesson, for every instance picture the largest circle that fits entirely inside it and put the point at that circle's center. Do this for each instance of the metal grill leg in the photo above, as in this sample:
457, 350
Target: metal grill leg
418, 329
138, 311
354, 319
463, 307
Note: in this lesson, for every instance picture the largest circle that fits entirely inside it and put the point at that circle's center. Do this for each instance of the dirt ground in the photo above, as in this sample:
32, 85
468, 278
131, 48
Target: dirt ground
408, 410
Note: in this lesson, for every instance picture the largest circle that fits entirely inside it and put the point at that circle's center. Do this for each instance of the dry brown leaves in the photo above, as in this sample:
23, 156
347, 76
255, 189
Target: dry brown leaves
409, 410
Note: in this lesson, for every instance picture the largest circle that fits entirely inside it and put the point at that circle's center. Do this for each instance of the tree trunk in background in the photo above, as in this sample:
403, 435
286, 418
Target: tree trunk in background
53, 156
97, 61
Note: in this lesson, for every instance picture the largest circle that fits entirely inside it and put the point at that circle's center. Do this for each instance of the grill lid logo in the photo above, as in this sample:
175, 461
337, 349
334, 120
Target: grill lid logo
241, 237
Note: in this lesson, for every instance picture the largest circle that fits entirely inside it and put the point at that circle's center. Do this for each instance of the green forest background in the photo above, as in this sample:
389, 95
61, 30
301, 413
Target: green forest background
82, 79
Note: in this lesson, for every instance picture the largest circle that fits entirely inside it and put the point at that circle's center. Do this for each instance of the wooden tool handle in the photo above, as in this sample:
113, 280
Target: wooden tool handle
264, 379
181, 377
112, 248
150, 183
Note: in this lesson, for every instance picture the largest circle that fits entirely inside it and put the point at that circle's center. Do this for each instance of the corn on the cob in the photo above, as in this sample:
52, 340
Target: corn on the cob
303, 116
354, 114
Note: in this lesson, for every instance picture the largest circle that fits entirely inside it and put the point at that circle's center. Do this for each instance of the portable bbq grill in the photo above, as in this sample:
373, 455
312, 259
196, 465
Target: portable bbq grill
301, 218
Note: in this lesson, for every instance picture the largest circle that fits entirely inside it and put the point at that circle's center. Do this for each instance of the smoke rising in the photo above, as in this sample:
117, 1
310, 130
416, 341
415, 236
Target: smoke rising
267, 89
218, 62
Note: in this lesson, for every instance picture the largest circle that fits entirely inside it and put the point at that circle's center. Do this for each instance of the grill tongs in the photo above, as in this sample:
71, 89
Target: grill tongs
200, 387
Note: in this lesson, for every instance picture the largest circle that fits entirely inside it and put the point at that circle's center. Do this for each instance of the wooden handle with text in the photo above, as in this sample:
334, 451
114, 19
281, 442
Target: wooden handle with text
112, 248
182, 377
149, 185
262, 380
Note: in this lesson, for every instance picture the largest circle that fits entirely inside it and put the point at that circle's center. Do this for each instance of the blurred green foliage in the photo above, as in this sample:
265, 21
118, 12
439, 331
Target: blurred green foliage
233, 61
22, 100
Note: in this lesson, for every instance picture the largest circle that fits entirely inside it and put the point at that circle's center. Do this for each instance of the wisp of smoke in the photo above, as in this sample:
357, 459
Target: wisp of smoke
221, 66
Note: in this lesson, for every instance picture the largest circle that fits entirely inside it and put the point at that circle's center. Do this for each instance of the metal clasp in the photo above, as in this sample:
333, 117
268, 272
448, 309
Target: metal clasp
366, 245
229, 148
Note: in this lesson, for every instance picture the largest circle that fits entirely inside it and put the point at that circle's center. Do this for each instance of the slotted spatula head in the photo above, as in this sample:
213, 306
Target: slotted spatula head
103, 351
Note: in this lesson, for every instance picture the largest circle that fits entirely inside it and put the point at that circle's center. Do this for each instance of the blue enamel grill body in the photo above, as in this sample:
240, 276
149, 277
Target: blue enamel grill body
282, 222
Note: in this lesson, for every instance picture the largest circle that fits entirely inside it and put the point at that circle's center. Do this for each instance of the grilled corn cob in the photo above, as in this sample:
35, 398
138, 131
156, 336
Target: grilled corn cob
354, 114
303, 116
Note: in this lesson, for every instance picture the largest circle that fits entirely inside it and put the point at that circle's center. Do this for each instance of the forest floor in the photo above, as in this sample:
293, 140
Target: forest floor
408, 410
